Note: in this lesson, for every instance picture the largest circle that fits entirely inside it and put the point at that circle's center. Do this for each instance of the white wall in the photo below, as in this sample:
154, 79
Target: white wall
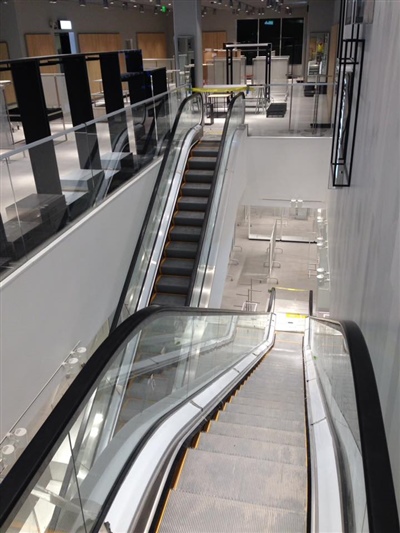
364, 226
282, 168
235, 183
65, 293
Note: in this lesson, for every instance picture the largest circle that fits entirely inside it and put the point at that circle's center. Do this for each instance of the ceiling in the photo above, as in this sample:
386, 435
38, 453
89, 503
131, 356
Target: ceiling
237, 7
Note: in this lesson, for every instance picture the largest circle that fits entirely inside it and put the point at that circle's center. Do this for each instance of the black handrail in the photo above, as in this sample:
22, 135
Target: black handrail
271, 301
30, 465
311, 303
378, 478
154, 195
212, 189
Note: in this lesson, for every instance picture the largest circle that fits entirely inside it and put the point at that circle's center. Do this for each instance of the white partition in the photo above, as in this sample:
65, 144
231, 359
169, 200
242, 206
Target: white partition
279, 75
239, 71
55, 91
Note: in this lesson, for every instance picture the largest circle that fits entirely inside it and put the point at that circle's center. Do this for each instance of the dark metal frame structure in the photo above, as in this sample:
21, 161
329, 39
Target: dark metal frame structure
267, 47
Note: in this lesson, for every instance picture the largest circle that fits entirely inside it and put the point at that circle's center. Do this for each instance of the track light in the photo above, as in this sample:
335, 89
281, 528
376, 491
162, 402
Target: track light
231, 4
106, 4
124, 5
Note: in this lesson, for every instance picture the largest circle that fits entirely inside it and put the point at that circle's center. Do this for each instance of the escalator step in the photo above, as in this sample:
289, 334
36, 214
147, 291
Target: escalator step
199, 176
189, 218
192, 203
196, 189
202, 163
173, 284
177, 267
188, 234
169, 299
206, 150
198, 513
181, 249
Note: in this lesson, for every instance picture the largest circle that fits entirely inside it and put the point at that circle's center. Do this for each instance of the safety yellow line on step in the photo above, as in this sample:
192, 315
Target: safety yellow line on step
179, 471
163, 511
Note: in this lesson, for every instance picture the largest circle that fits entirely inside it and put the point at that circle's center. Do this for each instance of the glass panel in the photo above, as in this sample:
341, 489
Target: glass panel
53, 505
165, 360
332, 360
294, 108
91, 161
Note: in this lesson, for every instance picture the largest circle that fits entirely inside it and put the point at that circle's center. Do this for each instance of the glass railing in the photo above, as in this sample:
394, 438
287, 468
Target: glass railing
48, 184
235, 119
153, 363
296, 109
346, 377
188, 117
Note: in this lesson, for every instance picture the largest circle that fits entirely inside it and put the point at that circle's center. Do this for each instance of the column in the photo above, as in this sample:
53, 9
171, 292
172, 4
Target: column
187, 23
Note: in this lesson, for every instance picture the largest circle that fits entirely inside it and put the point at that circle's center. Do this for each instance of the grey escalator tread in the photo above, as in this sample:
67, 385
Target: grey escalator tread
199, 176
169, 299
272, 403
262, 421
247, 447
189, 218
196, 189
255, 481
280, 412
181, 249
194, 513
182, 233
177, 266
203, 163
193, 203
173, 284
290, 438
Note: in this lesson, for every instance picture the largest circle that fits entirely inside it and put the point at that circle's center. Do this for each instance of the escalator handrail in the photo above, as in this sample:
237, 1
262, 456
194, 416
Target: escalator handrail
378, 478
31, 463
212, 189
271, 301
154, 195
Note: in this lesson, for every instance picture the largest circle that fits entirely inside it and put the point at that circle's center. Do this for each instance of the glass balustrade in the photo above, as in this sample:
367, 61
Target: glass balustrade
295, 109
332, 360
49, 184
159, 364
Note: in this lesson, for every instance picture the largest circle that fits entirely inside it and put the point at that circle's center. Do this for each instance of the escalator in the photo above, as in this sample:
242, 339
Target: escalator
251, 459
200, 420
174, 276
224, 439
165, 264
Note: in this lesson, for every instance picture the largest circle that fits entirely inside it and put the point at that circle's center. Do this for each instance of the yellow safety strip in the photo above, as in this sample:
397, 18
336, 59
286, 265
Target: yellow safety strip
221, 89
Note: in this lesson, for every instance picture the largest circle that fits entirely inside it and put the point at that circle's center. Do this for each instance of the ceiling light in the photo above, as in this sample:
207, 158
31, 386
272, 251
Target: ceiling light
53, 1
155, 10
82, 3
124, 5
141, 10
106, 4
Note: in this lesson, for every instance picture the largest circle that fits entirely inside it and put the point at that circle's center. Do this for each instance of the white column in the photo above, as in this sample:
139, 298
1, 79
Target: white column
187, 23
